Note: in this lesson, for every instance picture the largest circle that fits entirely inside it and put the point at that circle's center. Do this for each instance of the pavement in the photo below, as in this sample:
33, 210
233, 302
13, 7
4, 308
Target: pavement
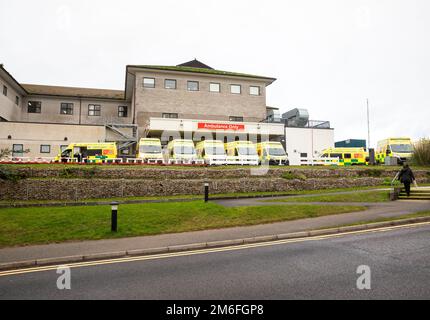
113, 248
397, 263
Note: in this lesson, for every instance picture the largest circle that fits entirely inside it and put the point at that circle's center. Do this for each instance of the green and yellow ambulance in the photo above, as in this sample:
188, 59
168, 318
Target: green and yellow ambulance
241, 153
88, 153
149, 150
212, 152
180, 151
272, 152
348, 156
400, 148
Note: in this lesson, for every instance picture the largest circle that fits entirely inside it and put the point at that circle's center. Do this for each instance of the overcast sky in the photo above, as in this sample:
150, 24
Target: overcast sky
328, 55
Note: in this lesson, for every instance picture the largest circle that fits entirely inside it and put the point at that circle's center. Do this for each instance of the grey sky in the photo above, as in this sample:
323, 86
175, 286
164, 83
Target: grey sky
328, 56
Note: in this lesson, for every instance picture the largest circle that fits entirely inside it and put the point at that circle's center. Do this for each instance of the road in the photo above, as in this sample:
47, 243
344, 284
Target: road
399, 262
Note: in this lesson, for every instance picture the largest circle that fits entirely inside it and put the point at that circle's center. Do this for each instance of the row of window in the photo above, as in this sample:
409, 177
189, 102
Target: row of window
195, 86
18, 149
5, 89
66, 108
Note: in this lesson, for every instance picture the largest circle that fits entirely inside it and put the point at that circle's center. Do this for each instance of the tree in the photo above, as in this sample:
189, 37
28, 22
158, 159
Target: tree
7, 152
422, 152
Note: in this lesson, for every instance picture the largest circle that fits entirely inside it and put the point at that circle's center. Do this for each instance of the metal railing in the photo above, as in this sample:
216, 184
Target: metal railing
316, 124
322, 161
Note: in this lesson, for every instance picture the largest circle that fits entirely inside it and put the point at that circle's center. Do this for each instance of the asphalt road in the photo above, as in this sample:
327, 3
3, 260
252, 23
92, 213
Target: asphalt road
324, 269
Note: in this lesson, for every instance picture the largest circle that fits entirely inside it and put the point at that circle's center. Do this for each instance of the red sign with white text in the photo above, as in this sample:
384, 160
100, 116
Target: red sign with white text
221, 126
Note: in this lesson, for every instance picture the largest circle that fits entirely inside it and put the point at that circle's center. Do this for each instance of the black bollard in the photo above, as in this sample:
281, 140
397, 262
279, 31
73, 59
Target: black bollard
114, 219
206, 191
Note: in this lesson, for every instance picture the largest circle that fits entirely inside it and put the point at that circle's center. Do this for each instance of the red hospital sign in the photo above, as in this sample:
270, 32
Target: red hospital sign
221, 126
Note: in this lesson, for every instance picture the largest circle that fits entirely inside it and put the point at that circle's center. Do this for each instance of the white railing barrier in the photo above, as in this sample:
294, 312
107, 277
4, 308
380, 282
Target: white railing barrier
319, 161
241, 161
216, 162
43, 160
186, 161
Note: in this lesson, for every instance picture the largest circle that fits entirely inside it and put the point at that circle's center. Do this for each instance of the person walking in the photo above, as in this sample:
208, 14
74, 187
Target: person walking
406, 176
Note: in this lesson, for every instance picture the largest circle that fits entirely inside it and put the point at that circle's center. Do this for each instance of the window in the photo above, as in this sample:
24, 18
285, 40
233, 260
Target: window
66, 108
336, 155
170, 116
34, 107
236, 119
123, 111
17, 150
254, 91
303, 155
215, 87
94, 110
148, 82
193, 86
236, 89
347, 156
45, 148
5, 90
93, 152
169, 84
17, 100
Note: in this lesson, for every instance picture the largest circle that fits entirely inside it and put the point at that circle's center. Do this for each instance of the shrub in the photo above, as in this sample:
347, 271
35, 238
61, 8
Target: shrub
11, 175
388, 181
293, 176
370, 173
422, 153
71, 173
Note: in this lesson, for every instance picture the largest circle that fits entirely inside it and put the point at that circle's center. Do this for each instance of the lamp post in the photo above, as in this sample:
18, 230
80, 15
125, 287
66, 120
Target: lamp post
114, 218
206, 191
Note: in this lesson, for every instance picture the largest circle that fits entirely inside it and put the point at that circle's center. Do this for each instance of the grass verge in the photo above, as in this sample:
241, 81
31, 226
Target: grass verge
371, 196
406, 216
29, 226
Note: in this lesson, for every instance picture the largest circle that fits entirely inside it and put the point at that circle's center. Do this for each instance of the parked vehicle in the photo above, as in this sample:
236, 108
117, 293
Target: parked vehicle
399, 148
181, 152
348, 156
88, 153
273, 153
242, 153
212, 152
150, 151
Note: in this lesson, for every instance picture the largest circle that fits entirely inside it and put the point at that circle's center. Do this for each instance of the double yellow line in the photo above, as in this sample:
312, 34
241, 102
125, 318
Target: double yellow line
205, 251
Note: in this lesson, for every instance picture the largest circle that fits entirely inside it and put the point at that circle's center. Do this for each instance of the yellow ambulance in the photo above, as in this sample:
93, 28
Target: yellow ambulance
180, 151
348, 156
272, 152
88, 153
149, 150
242, 153
212, 152
400, 148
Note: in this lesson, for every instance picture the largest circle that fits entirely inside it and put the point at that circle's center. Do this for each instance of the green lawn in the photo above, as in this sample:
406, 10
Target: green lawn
373, 196
25, 226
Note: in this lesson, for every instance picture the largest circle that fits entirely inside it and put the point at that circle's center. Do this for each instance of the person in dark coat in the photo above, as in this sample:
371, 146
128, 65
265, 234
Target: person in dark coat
406, 176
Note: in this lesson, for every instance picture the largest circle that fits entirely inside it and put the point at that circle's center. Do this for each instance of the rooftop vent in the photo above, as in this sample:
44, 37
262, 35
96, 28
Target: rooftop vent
296, 117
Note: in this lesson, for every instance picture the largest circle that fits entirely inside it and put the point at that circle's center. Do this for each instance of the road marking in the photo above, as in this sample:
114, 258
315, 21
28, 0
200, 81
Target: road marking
207, 251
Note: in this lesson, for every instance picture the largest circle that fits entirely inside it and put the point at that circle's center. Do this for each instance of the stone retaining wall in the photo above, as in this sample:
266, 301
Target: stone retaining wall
73, 183
79, 189
162, 173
